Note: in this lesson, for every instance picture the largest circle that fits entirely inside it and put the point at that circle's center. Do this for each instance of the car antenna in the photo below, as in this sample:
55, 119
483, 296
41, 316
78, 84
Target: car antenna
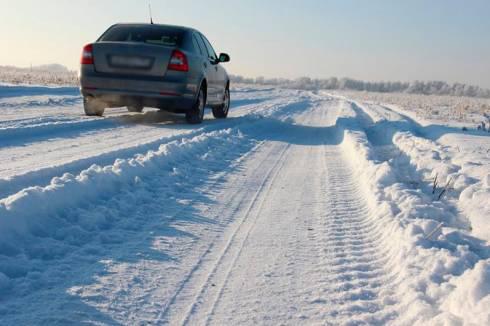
151, 16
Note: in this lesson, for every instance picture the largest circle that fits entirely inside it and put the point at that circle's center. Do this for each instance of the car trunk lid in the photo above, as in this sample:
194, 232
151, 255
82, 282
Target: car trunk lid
131, 58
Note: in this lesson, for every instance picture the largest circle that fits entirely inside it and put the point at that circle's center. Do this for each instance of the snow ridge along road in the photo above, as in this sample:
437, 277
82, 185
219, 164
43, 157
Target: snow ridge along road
302, 208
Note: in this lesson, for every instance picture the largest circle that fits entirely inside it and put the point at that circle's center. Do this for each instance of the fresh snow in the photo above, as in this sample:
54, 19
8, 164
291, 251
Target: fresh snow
300, 208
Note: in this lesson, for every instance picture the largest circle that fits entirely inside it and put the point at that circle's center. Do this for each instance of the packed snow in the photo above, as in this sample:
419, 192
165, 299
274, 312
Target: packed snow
303, 207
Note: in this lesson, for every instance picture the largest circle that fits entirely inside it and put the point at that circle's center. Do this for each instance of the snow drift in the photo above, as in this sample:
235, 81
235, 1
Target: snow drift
431, 265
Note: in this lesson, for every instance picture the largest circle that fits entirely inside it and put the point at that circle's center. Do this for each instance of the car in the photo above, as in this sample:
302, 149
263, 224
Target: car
171, 68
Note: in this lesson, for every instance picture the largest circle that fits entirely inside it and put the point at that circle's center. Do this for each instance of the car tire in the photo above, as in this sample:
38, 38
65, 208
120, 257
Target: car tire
196, 114
221, 112
133, 108
93, 107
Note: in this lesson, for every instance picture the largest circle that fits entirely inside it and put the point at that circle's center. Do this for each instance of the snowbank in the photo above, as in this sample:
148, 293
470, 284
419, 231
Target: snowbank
470, 299
469, 186
431, 264
36, 223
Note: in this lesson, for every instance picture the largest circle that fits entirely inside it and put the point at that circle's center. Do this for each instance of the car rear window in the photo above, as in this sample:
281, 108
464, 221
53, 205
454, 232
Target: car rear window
144, 34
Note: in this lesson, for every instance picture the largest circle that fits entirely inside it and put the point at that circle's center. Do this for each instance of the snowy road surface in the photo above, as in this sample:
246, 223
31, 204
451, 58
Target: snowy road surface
300, 209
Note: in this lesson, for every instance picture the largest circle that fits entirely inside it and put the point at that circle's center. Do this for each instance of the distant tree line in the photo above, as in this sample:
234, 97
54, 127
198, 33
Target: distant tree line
415, 87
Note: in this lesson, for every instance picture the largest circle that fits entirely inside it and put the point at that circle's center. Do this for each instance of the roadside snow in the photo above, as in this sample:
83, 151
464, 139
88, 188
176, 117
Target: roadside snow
465, 179
425, 259
20, 212
470, 300
456, 170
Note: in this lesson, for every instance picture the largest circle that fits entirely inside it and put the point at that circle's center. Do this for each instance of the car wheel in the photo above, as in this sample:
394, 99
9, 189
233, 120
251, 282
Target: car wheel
196, 114
132, 108
93, 107
221, 112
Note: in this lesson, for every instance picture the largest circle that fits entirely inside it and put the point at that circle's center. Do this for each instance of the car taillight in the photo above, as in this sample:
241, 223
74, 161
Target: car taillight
178, 61
87, 55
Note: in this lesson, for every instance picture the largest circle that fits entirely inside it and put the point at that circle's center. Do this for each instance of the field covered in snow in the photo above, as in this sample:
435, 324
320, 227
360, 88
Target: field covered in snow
466, 112
53, 74
303, 207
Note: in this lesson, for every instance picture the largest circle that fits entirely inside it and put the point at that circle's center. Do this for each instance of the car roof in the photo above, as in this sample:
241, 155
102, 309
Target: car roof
182, 28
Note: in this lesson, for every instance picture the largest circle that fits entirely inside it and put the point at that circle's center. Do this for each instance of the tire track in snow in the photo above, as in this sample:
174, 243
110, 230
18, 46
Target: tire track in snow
223, 281
215, 276
334, 265
239, 235
350, 283
359, 284
211, 290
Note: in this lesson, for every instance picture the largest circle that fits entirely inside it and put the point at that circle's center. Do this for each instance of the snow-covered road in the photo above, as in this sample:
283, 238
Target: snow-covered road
301, 208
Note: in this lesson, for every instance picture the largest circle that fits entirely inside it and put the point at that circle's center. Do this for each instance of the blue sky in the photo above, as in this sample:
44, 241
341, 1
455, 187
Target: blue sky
370, 40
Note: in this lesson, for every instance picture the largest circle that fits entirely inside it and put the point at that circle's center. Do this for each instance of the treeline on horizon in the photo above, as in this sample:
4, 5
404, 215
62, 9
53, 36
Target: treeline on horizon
58, 74
415, 87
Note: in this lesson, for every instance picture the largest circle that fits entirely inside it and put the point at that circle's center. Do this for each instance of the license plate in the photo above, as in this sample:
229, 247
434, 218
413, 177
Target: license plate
130, 62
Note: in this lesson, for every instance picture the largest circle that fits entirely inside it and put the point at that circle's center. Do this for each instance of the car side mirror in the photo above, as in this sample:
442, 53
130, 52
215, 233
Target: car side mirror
223, 57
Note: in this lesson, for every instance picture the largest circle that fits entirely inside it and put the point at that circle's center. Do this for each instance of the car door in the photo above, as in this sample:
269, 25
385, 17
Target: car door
221, 75
215, 94
205, 66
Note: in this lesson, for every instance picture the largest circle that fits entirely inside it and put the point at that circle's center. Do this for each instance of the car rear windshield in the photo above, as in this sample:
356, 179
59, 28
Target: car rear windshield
144, 34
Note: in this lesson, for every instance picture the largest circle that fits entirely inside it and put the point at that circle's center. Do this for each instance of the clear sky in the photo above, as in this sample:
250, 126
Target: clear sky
365, 39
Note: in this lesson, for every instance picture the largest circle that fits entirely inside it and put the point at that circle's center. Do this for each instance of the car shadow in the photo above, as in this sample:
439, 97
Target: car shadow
151, 117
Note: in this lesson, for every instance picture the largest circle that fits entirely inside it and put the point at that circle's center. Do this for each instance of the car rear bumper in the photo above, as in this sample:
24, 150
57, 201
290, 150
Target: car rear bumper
173, 93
